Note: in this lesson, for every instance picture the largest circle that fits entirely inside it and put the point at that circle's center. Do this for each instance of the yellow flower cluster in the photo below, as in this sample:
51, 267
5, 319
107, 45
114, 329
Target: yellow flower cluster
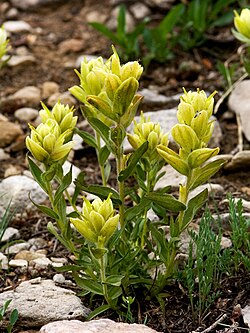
97, 222
3, 42
242, 24
109, 89
50, 141
192, 133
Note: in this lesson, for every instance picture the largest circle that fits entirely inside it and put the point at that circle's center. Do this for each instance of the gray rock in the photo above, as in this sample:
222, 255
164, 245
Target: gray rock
12, 13
26, 114
16, 248
41, 301
239, 161
171, 178
75, 173
3, 261
21, 60
17, 26
31, 4
139, 10
246, 315
41, 263
17, 189
59, 278
10, 233
8, 133
65, 98
94, 326
152, 97
224, 219
238, 102
212, 188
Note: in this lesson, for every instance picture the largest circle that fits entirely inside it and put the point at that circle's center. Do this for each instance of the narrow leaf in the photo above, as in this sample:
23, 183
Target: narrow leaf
37, 174
90, 285
167, 201
98, 311
103, 155
135, 157
66, 181
88, 138
46, 210
136, 211
114, 280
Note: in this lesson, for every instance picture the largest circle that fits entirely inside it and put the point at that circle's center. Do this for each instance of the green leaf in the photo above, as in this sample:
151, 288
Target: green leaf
70, 268
4, 307
46, 210
201, 175
115, 292
98, 311
37, 174
103, 130
48, 175
13, 317
88, 138
105, 31
121, 23
193, 206
168, 23
137, 210
103, 155
79, 180
133, 160
101, 191
88, 284
166, 200
114, 280
66, 181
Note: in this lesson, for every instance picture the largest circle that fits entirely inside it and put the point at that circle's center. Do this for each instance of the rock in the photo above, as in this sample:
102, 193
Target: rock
37, 243
12, 170
238, 102
12, 13
18, 263
153, 98
49, 88
3, 156
65, 98
26, 114
239, 161
10, 234
29, 255
16, 248
212, 188
139, 10
224, 219
75, 173
40, 302
245, 203
94, 16
8, 133
21, 60
246, 315
94, 326
59, 278
77, 142
17, 189
71, 45
29, 96
3, 261
171, 178
225, 243
41, 263
17, 26
31, 4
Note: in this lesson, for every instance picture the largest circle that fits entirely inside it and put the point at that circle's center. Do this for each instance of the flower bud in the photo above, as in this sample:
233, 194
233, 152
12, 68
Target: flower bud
185, 113
242, 24
173, 159
200, 123
131, 69
200, 156
186, 137
3, 42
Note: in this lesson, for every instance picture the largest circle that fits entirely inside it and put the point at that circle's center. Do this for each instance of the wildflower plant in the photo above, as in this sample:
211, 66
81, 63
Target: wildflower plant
4, 42
112, 237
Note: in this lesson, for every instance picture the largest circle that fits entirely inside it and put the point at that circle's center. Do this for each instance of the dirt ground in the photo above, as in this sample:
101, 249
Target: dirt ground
65, 20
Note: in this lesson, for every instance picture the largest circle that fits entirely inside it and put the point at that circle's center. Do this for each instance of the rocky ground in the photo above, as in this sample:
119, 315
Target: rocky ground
48, 40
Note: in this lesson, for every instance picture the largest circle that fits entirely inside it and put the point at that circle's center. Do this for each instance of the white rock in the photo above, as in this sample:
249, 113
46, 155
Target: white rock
246, 315
225, 243
29, 95
40, 302
37, 243
12, 13
29, 255
21, 60
8, 133
65, 98
171, 178
17, 189
88, 57
26, 114
139, 10
49, 88
17, 26
3, 261
77, 142
238, 102
16, 248
239, 161
41, 263
94, 326
10, 233
75, 173
153, 98
18, 263
59, 278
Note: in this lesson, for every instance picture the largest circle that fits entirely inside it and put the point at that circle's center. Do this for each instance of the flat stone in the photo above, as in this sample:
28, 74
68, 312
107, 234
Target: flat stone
239, 101
239, 161
3, 156
139, 10
10, 234
41, 263
152, 97
29, 255
18, 263
17, 189
71, 45
26, 114
17, 26
224, 219
16, 248
8, 133
94, 326
40, 302
246, 315
65, 98
171, 178
21, 60
212, 188
59, 278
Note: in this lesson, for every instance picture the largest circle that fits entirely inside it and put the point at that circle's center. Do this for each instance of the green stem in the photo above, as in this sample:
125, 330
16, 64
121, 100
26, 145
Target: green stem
120, 167
103, 280
102, 169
